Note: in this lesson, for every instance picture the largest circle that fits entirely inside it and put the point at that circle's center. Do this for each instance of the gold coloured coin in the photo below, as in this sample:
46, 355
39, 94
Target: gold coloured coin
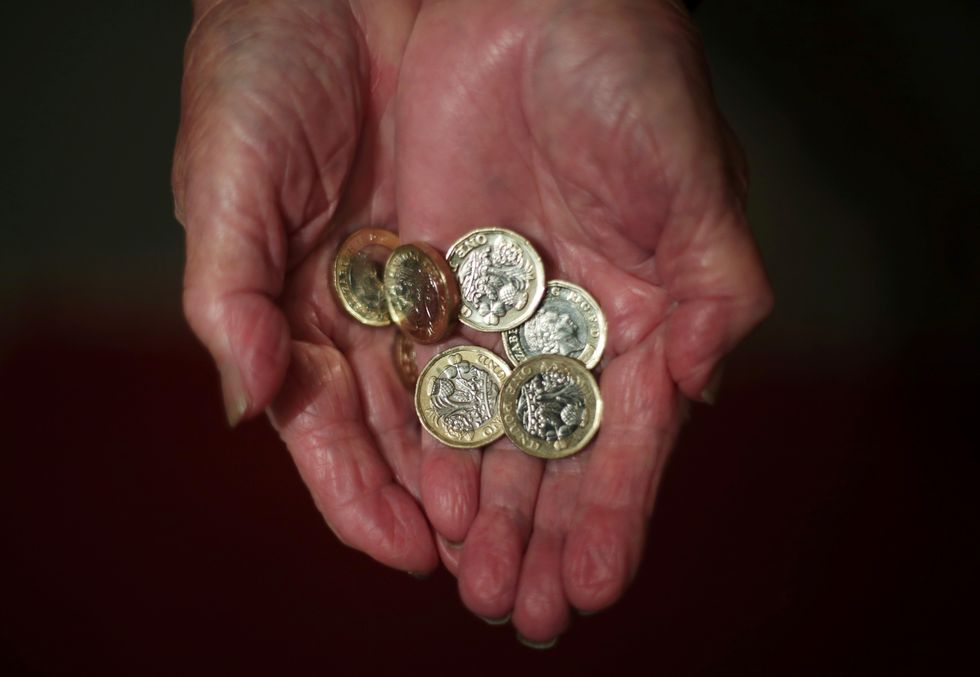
501, 278
568, 322
457, 396
550, 406
358, 272
421, 292
403, 354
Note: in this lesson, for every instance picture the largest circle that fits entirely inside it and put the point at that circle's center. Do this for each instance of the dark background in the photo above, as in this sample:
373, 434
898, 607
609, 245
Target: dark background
821, 519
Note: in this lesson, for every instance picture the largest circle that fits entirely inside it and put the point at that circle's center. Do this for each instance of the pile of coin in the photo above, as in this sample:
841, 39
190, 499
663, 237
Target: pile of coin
553, 332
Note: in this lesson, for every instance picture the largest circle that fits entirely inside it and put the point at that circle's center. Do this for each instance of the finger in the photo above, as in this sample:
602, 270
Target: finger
319, 416
449, 477
264, 148
389, 409
491, 560
541, 610
450, 487
714, 273
605, 539
230, 281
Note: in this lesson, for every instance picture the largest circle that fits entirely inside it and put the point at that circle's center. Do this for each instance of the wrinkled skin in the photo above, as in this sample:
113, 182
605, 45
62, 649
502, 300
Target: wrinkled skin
588, 126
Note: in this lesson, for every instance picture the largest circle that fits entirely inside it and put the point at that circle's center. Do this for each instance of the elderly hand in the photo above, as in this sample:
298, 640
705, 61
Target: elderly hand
587, 126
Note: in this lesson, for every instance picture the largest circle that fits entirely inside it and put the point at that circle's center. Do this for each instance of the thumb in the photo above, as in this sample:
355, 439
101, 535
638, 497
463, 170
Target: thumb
714, 272
235, 267
269, 111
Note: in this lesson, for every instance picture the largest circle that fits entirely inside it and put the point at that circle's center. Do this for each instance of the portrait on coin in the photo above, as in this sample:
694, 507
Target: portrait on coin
553, 331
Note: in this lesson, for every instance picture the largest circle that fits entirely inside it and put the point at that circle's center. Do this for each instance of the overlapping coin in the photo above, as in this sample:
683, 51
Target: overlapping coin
501, 278
403, 355
358, 275
421, 293
568, 322
550, 406
458, 394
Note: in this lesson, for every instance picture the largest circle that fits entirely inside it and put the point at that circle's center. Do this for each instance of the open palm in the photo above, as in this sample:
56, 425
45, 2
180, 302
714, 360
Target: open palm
587, 127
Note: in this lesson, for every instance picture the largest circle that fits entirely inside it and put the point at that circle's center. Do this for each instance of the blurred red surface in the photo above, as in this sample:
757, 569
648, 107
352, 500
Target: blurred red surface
816, 521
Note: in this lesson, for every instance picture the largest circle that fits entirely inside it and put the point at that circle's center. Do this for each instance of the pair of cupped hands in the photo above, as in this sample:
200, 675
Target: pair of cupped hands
589, 127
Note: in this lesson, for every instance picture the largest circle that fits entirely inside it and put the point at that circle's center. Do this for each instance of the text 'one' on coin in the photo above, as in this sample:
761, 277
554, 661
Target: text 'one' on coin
457, 396
568, 322
550, 406
421, 292
358, 274
501, 278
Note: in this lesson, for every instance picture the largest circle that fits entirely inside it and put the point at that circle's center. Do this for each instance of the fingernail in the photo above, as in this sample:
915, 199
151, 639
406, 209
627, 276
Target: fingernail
710, 392
536, 645
233, 391
586, 614
417, 575
494, 621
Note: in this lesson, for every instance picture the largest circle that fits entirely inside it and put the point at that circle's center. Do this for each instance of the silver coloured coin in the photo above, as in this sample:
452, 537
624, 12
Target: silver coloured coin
568, 322
501, 278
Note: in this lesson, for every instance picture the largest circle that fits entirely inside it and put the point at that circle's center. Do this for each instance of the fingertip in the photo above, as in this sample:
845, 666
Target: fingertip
390, 528
449, 553
490, 565
539, 645
709, 395
704, 384
260, 340
249, 339
541, 611
597, 563
233, 393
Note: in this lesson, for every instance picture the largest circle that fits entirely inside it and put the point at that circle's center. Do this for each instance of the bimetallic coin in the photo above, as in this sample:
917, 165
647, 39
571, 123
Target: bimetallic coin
550, 406
421, 292
458, 394
403, 352
358, 273
501, 278
568, 322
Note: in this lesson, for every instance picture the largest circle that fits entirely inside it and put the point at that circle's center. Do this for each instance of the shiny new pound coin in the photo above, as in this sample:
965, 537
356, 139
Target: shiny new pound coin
457, 396
568, 322
501, 278
550, 406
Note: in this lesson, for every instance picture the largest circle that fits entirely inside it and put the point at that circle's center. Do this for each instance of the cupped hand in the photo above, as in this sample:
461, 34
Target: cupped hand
285, 147
589, 127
